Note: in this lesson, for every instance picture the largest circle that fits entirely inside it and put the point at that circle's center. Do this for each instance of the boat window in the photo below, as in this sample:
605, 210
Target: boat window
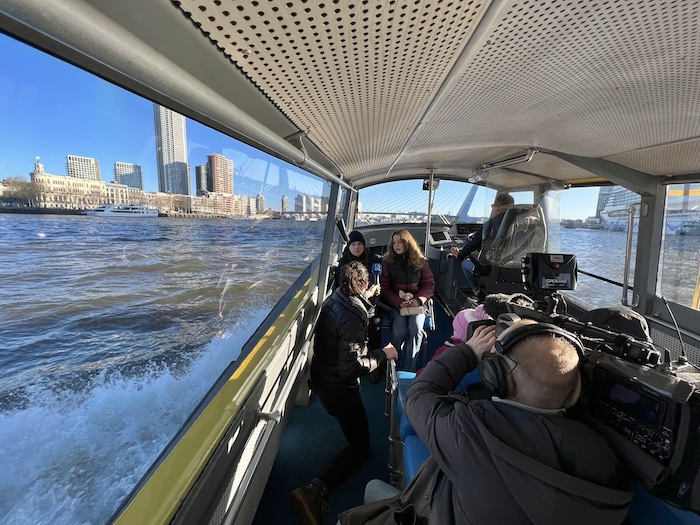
592, 224
402, 201
679, 268
114, 326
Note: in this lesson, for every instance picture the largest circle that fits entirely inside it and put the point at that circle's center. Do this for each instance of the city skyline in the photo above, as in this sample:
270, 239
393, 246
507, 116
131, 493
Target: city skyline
39, 96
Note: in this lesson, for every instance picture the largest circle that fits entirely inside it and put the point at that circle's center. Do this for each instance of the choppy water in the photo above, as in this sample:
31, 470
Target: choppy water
111, 332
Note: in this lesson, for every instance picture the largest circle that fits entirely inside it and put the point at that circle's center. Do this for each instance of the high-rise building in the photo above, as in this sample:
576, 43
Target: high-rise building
220, 173
128, 174
260, 203
200, 179
171, 151
285, 204
83, 167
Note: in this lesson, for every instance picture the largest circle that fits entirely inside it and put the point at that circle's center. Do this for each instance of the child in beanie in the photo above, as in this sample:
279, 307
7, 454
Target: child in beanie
460, 328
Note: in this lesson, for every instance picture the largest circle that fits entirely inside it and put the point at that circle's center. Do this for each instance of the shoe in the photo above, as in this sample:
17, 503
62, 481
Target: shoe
310, 503
480, 296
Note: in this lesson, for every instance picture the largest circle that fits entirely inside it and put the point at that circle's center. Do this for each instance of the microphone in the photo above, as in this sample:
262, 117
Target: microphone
376, 271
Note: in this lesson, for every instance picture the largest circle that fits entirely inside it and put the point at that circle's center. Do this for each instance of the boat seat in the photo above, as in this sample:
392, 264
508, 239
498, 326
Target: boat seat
523, 230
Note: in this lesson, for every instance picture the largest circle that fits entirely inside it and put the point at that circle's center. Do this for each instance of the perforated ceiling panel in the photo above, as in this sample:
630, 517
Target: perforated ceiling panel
356, 75
588, 78
404, 86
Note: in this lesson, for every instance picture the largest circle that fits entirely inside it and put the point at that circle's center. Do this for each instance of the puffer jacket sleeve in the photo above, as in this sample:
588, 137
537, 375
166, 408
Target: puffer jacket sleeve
389, 294
354, 357
427, 283
440, 430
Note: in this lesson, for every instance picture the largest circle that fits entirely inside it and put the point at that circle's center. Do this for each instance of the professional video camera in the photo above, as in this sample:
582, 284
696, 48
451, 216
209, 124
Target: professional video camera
647, 409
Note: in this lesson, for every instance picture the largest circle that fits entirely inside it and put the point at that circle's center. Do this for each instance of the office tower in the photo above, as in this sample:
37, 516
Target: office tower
220, 174
285, 204
171, 151
82, 167
200, 179
260, 203
128, 174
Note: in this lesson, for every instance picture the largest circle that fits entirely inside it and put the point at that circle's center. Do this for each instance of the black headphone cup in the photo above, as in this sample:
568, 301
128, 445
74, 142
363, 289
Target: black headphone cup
494, 371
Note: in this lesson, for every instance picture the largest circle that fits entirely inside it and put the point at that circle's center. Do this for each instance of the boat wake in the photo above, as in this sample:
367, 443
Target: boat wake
71, 456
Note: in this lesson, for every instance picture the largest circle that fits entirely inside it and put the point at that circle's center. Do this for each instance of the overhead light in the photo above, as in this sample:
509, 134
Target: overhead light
482, 171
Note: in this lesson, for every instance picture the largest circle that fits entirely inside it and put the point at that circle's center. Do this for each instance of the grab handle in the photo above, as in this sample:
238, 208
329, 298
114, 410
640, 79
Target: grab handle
628, 255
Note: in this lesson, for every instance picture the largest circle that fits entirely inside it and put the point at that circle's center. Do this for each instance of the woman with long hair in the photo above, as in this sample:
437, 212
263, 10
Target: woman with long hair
341, 357
407, 283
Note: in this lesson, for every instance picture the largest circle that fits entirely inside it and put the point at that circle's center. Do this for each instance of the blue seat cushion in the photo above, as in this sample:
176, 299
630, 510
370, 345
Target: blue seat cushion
414, 455
650, 510
405, 380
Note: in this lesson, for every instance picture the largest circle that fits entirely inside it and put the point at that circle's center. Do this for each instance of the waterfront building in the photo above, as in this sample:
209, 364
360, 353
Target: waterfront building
200, 179
284, 207
260, 203
128, 174
219, 174
171, 151
303, 203
82, 167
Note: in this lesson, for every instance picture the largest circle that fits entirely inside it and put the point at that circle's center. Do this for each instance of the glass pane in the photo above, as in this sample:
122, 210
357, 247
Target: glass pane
401, 201
594, 227
113, 327
679, 271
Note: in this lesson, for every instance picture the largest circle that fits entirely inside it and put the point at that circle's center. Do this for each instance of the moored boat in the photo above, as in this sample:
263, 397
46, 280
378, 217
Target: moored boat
122, 210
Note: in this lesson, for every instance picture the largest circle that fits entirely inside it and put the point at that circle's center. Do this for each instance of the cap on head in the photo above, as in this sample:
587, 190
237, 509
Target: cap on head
356, 236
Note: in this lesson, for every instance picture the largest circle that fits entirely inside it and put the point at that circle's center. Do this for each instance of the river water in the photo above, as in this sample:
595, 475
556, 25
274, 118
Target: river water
112, 330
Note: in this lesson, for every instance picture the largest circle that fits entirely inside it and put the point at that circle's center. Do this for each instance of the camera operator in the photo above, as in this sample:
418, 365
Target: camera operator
514, 458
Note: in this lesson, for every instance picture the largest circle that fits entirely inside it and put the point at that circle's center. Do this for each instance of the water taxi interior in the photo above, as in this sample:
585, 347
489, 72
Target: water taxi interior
535, 98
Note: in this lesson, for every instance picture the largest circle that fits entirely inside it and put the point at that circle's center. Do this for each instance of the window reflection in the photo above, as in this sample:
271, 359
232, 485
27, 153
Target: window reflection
679, 271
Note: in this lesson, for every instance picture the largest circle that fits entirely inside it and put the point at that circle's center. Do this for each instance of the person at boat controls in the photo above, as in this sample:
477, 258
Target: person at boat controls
407, 283
488, 231
514, 458
355, 250
341, 357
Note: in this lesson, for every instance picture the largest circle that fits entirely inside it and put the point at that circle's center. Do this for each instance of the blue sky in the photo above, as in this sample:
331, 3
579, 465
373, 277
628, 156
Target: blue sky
50, 109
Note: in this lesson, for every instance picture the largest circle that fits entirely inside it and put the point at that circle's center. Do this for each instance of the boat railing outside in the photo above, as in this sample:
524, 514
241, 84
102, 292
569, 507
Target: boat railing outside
213, 461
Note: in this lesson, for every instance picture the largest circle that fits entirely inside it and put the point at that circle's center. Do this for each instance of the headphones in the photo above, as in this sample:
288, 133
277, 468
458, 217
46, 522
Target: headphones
494, 368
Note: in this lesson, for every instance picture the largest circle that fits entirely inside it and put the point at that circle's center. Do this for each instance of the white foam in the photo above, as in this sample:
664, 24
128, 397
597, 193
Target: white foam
71, 457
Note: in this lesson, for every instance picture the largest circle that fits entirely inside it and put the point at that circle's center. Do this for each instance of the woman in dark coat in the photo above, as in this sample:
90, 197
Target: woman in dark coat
356, 250
341, 357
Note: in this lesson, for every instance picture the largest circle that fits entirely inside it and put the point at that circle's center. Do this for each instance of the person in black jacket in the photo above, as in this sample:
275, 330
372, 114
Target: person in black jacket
515, 458
356, 250
489, 230
341, 357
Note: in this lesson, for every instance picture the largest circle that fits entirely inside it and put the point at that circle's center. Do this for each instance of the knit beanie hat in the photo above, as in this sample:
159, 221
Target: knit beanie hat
460, 325
356, 236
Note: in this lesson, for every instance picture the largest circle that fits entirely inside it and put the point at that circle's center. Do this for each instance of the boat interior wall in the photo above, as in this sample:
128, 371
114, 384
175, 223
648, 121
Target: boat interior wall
237, 425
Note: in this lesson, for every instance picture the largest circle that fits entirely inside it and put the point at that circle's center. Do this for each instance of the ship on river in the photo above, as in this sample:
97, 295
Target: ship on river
682, 207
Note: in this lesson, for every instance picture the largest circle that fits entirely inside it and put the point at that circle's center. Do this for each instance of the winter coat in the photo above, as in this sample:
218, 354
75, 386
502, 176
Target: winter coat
399, 275
367, 258
341, 355
493, 462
